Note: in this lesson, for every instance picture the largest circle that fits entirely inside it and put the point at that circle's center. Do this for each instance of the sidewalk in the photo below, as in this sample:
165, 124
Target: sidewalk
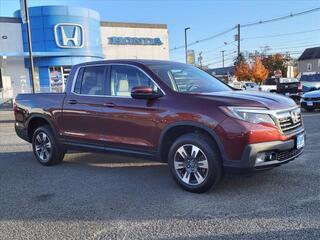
6, 115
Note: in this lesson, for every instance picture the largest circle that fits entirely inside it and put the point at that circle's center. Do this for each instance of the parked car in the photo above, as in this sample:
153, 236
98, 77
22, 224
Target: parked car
310, 100
168, 111
251, 86
270, 85
290, 87
310, 82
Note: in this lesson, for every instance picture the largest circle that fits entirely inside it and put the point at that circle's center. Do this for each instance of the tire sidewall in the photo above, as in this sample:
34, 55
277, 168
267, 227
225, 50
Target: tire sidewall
213, 158
54, 149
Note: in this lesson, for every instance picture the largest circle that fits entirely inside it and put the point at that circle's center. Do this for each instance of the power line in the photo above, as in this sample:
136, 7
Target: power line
291, 15
228, 54
291, 43
292, 47
204, 39
299, 46
282, 34
213, 63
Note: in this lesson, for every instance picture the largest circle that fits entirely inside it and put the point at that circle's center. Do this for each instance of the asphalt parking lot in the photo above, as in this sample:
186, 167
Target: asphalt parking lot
95, 196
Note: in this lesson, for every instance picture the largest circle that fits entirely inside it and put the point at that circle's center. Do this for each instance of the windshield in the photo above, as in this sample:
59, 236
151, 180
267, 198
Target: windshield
186, 78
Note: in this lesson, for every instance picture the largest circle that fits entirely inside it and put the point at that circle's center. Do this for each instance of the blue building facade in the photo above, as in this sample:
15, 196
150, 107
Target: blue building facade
61, 37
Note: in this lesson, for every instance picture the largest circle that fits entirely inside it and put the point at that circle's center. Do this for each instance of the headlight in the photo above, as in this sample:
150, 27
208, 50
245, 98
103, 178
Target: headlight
253, 115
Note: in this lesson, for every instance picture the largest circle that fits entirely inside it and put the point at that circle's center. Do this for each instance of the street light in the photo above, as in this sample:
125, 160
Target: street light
186, 43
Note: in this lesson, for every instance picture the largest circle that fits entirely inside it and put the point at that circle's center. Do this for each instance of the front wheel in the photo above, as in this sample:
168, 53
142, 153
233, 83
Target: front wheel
195, 163
45, 147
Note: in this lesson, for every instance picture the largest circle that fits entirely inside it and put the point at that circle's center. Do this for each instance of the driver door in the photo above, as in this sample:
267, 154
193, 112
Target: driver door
130, 123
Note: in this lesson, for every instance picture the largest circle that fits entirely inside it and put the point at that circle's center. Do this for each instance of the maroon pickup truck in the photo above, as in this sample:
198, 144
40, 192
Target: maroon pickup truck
168, 111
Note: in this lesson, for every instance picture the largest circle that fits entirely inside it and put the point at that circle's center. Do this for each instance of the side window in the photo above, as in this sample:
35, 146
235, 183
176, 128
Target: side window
124, 78
91, 80
77, 86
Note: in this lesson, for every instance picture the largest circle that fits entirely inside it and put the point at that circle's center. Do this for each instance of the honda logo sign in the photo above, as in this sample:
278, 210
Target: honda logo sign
68, 35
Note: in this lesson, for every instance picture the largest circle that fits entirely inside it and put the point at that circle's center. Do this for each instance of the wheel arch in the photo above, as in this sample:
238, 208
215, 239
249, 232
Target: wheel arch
37, 120
174, 130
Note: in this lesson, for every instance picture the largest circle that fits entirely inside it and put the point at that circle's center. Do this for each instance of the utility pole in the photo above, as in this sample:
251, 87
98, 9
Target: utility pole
200, 59
186, 43
26, 20
238, 38
223, 58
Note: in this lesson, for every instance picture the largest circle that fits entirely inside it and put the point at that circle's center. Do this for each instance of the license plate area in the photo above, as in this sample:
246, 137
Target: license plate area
300, 141
309, 103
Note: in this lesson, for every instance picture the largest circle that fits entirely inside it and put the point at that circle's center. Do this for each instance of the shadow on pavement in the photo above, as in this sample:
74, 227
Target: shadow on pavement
89, 186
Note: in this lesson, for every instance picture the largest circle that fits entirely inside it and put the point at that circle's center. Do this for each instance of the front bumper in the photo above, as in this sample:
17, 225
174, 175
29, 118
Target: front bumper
315, 104
21, 131
282, 152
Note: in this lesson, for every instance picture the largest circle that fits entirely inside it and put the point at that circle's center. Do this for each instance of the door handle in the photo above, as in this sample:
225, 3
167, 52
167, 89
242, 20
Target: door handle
110, 105
72, 101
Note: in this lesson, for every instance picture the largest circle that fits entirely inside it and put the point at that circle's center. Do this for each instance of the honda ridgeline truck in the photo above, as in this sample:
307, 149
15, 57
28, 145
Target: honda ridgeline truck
168, 111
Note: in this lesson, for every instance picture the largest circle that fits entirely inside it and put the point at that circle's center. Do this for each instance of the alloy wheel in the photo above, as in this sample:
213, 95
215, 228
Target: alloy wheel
191, 164
43, 146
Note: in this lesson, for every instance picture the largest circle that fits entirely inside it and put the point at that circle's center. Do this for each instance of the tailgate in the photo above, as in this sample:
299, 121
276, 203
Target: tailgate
287, 87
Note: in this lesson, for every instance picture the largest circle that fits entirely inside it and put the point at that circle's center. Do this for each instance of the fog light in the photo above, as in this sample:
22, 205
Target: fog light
261, 157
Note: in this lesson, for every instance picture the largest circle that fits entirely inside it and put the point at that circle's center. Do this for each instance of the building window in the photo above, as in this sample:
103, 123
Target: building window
58, 77
309, 67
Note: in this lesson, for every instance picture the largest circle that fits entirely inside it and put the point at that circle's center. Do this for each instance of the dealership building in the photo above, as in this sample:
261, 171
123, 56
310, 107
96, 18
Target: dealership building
63, 36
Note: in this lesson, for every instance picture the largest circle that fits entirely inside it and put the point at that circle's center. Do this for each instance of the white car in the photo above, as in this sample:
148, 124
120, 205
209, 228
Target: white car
251, 86
310, 100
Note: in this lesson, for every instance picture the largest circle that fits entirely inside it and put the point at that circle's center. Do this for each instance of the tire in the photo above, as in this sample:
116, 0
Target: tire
187, 171
46, 149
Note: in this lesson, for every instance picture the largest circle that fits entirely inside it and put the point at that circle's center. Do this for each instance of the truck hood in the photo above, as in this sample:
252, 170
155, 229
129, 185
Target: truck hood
271, 101
312, 94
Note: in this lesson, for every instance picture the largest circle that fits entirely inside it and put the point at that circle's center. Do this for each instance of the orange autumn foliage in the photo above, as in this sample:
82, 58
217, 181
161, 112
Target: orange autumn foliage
259, 72
243, 71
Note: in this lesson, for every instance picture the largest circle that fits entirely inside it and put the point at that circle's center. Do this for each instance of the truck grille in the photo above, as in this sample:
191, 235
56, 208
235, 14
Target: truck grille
290, 123
311, 98
282, 156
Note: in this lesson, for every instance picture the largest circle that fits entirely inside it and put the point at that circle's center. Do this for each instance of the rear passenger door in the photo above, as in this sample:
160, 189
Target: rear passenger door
83, 107
130, 123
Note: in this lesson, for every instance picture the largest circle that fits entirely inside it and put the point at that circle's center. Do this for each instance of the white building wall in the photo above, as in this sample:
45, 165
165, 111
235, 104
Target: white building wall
111, 51
11, 38
15, 75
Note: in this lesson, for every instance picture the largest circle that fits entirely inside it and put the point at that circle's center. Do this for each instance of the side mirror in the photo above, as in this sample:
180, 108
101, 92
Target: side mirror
142, 92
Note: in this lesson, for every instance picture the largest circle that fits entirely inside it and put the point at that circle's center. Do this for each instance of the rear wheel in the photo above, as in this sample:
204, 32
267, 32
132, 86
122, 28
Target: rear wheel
45, 147
195, 163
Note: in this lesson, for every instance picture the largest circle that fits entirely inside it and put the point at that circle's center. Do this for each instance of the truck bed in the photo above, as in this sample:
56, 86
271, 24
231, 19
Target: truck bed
46, 104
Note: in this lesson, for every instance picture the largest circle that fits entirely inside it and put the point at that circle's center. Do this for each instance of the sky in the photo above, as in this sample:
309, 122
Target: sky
207, 18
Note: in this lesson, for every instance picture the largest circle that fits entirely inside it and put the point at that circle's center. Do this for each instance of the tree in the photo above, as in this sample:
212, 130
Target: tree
276, 62
259, 72
239, 59
242, 68
243, 71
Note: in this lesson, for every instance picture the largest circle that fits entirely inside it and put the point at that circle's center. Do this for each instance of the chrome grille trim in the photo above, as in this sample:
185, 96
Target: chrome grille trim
290, 120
